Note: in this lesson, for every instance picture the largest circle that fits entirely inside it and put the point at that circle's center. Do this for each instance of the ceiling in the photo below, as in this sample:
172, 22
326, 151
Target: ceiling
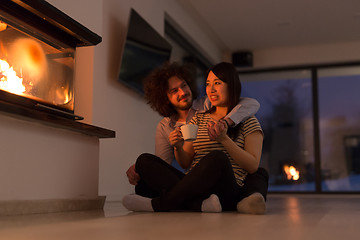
237, 25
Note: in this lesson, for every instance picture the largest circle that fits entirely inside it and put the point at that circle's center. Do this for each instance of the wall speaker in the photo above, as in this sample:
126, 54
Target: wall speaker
242, 59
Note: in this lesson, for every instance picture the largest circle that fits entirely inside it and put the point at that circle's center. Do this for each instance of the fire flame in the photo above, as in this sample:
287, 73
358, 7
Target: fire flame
9, 81
62, 96
3, 26
292, 173
30, 59
29, 55
24, 71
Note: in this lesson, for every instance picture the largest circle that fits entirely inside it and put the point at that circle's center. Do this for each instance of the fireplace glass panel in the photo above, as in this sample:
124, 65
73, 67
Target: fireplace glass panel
33, 69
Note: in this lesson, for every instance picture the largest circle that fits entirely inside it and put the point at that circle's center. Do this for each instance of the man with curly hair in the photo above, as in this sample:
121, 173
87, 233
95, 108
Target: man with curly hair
171, 91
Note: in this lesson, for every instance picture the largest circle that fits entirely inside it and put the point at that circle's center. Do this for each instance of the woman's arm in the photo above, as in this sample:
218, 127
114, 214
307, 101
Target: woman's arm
185, 155
247, 158
183, 151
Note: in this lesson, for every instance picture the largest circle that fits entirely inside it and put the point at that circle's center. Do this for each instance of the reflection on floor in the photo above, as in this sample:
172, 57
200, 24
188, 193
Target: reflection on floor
288, 217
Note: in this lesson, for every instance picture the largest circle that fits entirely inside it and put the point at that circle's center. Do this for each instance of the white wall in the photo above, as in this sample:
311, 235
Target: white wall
310, 54
42, 162
122, 109
113, 105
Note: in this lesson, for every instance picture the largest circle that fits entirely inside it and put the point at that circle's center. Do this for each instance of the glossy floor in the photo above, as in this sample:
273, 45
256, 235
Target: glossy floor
288, 217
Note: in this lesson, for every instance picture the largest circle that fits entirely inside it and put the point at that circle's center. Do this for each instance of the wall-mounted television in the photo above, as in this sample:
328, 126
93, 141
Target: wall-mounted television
144, 50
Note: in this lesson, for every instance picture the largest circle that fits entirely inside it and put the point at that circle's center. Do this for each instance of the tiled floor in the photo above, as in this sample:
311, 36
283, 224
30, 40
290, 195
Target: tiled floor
288, 217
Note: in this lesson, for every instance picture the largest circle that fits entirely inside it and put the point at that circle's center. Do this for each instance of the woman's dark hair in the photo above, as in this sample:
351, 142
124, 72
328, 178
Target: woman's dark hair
226, 72
157, 84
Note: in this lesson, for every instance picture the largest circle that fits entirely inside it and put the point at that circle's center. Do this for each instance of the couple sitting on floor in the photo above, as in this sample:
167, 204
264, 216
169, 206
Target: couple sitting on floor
221, 166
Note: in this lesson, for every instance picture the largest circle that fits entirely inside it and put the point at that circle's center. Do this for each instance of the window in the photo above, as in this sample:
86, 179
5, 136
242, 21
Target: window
286, 118
339, 118
310, 116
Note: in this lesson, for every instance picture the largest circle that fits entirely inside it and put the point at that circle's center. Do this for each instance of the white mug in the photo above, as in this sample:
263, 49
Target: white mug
189, 132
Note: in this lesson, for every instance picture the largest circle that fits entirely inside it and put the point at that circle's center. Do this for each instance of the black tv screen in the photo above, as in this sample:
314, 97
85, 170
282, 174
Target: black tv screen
144, 50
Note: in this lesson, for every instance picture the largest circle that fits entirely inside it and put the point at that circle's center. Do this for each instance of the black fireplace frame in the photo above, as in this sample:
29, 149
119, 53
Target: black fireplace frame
46, 22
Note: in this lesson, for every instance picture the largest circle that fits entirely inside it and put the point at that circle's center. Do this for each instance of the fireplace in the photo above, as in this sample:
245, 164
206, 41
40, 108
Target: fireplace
37, 57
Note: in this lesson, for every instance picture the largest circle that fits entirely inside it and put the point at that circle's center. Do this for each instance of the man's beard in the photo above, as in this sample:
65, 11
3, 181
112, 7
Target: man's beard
185, 107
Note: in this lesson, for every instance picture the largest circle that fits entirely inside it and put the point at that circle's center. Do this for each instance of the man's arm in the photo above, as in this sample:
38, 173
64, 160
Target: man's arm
246, 108
163, 149
132, 175
201, 104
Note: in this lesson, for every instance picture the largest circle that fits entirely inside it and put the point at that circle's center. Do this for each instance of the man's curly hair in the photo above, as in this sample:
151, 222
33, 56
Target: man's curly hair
156, 87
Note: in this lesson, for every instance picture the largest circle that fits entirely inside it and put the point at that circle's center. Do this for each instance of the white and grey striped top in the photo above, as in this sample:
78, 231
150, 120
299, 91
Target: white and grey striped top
203, 145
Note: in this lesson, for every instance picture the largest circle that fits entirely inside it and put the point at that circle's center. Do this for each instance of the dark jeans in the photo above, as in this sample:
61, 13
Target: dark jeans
173, 190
